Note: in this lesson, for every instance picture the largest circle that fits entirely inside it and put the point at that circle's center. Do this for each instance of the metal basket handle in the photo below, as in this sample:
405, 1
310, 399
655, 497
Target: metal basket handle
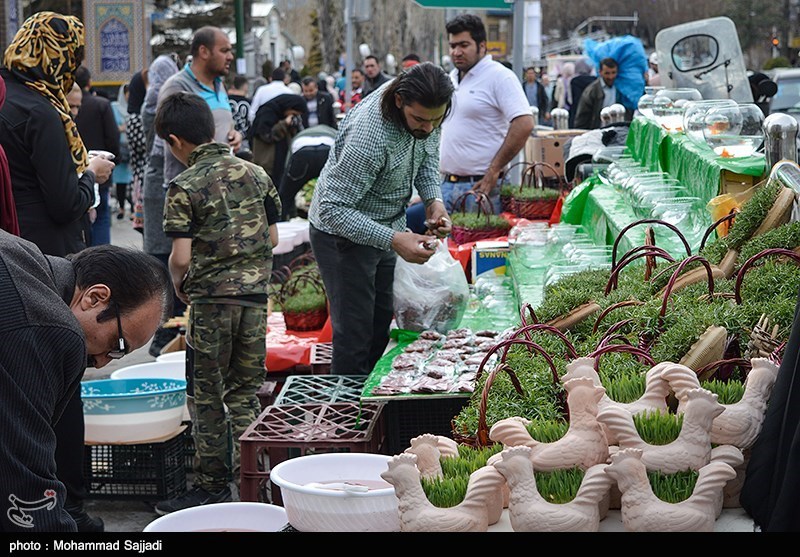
648, 221
674, 278
730, 216
634, 350
632, 255
749, 263
541, 327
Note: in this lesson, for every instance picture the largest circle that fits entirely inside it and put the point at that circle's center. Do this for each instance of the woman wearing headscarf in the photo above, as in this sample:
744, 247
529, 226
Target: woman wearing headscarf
276, 123
583, 78
40, 138
154, 192
134, 133
561, 95
53, 185
122, 172
8, 211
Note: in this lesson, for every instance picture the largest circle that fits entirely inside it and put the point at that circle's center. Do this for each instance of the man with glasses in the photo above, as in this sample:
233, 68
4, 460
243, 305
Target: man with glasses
58, 317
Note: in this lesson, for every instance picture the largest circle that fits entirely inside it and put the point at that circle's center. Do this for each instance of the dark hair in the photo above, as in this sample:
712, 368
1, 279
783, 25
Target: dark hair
410, 57
239, 81
425, 83
187, 116
467, 22
278, 74
205, 36
83, 77
308, 80
126, 88
359, 70
373, 57
113, 266
608, 63
266, 68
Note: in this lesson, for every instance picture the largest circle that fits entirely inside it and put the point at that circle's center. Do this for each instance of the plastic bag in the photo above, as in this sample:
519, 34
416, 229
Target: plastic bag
430, 296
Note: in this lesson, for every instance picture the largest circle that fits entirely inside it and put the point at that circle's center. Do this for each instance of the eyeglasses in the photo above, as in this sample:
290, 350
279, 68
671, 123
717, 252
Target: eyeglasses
122, 350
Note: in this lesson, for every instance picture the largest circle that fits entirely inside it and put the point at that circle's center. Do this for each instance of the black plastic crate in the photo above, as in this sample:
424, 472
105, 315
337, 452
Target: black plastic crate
147, 471
406, 419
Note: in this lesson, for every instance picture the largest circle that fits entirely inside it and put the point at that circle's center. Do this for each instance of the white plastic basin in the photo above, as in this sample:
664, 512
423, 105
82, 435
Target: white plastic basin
317, 509
222, 517
160, 369
179, 356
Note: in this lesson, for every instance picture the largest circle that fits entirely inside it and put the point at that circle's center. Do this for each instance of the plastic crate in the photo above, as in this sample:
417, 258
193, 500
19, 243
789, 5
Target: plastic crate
321, 357
406, 419
304, 389
146, 471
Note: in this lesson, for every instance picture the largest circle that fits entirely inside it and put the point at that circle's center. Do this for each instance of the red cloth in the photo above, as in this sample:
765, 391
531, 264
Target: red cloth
287, 349
8, 211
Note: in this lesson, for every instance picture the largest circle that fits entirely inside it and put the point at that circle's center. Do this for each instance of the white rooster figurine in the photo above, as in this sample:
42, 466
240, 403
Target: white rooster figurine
642, 511
530, 512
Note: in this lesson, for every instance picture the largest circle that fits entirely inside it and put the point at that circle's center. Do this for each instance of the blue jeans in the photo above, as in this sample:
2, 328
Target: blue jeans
101, 228
452, 191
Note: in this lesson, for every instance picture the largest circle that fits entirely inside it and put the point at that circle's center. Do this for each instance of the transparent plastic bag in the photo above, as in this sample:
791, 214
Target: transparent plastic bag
430, 296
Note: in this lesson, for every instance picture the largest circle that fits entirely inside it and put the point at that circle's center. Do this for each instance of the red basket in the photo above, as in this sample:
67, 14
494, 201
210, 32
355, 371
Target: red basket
311, 320
464, 235
537, 209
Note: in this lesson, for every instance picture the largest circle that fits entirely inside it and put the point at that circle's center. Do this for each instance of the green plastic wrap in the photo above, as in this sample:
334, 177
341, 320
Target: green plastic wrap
644, 141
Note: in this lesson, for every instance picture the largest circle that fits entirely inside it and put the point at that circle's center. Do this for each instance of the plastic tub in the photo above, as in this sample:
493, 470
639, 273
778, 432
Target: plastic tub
158, 369
222, 517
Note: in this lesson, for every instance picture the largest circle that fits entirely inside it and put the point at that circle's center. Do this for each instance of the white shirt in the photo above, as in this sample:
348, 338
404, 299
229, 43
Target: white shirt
266, 93
313, 117
610, 94
484, 103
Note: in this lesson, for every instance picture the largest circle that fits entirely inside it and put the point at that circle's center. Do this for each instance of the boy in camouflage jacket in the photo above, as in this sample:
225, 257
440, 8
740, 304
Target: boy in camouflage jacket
221, 213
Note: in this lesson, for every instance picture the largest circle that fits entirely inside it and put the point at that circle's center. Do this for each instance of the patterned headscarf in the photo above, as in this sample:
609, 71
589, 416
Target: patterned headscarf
44, 55
160, 71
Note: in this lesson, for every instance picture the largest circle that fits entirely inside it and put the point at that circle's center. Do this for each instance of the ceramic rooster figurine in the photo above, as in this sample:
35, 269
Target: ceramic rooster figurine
418, 514
741, 422
642, 511
583, 445
530, 512
429, 449
654, 397
690, 451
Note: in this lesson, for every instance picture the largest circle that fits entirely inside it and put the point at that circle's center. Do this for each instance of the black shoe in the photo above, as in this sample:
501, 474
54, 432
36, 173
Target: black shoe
193, 498
85, 522
162, 337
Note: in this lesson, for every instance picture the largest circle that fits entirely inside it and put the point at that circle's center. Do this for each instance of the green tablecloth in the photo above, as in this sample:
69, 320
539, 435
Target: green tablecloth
644, 139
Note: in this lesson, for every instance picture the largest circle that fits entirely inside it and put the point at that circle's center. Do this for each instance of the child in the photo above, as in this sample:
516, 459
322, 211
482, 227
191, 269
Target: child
221, 213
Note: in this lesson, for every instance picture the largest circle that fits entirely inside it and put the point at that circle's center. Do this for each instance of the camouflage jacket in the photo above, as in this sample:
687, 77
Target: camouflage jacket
219, 202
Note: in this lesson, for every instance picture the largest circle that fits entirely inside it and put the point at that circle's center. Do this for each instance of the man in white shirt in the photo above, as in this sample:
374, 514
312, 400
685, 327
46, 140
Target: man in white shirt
490, 121
268, 92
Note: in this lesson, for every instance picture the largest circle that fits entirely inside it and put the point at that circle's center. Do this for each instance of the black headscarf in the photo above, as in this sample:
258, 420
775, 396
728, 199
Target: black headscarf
136, 92
269, 114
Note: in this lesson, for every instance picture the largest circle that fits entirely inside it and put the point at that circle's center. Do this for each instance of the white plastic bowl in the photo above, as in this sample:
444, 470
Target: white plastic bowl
179, 356
162, 370
286, 242
222, 517
316, 509
132, 410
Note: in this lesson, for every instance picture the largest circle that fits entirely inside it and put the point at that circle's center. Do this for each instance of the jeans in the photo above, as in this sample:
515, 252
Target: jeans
101, 228
358, 282
452, 192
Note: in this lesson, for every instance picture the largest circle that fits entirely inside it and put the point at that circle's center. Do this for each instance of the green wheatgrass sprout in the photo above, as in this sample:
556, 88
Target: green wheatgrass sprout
450, 490
753, 212
715, 251
559, 486
771, 289
625, 389
474, 221
536, 193
786, 237
728, 392
673, 488
307, 298
547, 431
658, 428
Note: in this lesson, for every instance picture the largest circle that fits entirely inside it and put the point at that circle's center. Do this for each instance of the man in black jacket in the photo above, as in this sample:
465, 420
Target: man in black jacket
373, 75
537, 96
60, 316
320, 105
99, 132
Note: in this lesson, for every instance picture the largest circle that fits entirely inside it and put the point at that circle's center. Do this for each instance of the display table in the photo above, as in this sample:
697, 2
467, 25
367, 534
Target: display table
289, 349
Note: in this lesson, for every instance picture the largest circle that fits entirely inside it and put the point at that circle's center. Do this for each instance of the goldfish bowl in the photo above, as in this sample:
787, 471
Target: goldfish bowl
669, 106
694, 118
734, 131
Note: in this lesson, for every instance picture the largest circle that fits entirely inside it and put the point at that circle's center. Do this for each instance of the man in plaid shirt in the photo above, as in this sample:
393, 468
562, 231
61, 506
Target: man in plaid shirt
386, 145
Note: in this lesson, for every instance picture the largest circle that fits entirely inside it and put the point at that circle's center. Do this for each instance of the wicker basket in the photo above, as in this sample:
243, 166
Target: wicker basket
538, 209
311, 320
463, 235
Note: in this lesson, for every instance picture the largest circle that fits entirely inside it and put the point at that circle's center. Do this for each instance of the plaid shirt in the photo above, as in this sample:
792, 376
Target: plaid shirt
364, 188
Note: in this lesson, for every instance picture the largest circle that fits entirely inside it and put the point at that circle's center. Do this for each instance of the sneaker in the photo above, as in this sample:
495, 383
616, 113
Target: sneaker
193, 498
162, 337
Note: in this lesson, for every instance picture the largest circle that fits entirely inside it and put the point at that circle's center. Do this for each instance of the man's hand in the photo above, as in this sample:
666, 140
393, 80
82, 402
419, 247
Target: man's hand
488, 182
179, 291
411, 247
437, 220
235, 140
